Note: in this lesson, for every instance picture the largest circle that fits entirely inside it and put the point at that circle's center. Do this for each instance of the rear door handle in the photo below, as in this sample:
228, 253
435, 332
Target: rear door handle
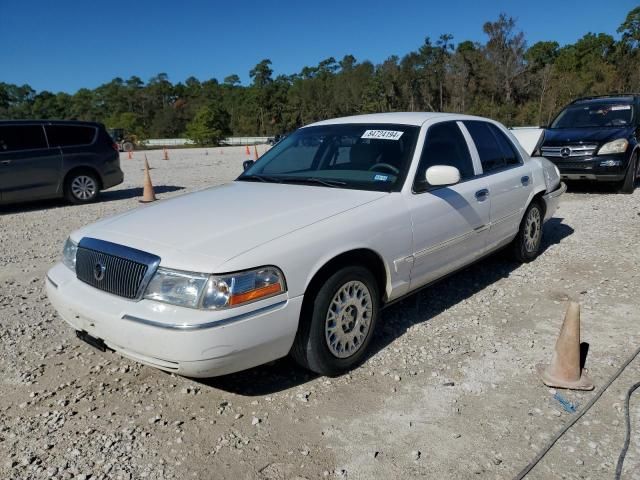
481, 195
5, 162
525, 180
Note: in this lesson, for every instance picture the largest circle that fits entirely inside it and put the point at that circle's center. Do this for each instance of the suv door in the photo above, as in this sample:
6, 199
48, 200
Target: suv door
508, 177
29, 169
450, 223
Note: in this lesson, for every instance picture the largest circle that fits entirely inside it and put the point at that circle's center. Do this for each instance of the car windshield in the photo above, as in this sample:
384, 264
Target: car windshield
358, 156
595, 114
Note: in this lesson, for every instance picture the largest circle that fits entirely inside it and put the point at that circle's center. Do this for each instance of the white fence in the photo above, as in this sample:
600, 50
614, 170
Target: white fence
175, 142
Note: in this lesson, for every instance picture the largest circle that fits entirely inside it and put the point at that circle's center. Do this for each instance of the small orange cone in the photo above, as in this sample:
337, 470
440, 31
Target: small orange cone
130, 155
148, 195
165, 154
248, 152
564, 370
255, 152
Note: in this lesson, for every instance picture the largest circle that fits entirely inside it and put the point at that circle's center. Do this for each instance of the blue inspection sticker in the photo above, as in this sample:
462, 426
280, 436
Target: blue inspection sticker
381, 178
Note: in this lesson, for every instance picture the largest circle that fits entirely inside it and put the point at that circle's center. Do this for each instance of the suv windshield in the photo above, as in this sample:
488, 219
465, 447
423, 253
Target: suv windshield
359, 156
609, 113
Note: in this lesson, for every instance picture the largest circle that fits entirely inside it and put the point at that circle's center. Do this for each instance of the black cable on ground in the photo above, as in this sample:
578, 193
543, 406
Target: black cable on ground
627, 438
584, 410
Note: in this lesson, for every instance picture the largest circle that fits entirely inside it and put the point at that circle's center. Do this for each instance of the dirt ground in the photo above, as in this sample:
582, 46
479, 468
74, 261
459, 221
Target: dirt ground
449, 390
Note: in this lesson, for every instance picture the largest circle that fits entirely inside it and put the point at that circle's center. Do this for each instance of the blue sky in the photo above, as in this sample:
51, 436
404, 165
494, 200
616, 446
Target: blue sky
65, 45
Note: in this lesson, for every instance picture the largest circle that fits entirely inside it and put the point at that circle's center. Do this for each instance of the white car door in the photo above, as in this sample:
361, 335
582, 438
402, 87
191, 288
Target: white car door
509, 180
450, 224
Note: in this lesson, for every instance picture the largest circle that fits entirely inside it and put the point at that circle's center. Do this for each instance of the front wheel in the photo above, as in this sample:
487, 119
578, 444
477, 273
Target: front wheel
526, 245
337, 324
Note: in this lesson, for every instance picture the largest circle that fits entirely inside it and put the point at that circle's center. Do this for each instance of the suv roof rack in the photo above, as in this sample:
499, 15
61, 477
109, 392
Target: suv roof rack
593, 97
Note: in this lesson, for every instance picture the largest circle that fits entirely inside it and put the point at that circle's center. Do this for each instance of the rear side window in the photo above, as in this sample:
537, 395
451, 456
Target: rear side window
494, 149
444, 145
21, 137
69, 135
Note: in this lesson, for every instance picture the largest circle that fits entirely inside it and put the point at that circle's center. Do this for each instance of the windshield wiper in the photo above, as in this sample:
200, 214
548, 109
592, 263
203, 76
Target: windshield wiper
261, 178
321, 181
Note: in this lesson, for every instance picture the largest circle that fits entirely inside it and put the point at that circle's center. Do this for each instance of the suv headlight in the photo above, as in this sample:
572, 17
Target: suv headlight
215, 292
616, 146
69, 254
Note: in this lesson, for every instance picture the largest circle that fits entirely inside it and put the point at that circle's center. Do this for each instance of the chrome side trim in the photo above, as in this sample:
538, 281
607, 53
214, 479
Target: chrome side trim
505, 218
185, 327
51, 281
446, 243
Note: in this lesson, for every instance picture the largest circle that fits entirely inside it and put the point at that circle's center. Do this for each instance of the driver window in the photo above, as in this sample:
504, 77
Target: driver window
444, 145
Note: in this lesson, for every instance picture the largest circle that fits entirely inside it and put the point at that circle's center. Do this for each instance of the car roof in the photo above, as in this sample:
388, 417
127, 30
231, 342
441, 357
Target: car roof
398, 118
50, 122
604, 99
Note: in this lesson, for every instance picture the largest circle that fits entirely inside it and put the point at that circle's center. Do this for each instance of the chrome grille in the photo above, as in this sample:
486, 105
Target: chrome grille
567, 151
114, 268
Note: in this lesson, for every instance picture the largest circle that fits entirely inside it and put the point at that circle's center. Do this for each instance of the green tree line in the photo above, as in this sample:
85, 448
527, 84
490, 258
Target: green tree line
503, 78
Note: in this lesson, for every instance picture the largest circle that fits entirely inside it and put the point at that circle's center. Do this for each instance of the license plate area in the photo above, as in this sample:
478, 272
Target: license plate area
93, 341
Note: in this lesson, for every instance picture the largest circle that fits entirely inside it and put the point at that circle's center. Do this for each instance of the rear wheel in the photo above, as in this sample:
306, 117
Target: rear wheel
629, 182
526, 245
337, 324
81, 187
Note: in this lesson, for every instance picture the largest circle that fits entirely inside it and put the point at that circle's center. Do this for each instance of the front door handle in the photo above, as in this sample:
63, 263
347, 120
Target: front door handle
5, 162
525, 180
481, 195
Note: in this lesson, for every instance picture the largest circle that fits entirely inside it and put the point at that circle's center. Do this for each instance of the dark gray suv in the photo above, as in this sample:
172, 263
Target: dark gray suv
47, 159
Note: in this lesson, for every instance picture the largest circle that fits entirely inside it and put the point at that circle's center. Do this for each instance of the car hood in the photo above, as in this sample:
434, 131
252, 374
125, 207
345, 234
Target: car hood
202, 230
564, 136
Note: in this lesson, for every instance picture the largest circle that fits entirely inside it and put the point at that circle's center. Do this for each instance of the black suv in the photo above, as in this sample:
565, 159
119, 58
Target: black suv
596, 138
47, 159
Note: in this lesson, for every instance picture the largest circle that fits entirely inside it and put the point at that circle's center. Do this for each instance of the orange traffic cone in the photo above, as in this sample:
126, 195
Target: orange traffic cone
165, 154
255, 152
148, 195
248, 152
564, 370
130, 155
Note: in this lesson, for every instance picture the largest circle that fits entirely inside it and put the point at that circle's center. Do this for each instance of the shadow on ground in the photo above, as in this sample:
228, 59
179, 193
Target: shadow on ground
395, 320
594, 187
106, 196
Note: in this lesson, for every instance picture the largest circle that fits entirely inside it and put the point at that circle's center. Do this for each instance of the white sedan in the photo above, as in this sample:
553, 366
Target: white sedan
301, 252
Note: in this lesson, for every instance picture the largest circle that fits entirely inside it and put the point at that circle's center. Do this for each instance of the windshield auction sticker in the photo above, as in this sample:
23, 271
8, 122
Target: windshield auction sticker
382, 134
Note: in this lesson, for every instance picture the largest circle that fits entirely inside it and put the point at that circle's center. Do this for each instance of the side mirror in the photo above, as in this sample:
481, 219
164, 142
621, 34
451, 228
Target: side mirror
439, 175
247, 164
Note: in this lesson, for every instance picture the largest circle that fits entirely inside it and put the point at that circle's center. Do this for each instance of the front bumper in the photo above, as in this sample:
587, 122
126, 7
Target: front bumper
591, 168
189, 342
552, 200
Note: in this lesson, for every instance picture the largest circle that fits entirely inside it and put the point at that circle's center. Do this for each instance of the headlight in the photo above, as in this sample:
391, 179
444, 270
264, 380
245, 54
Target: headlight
213, 292
178, 288
616, 146
69, 254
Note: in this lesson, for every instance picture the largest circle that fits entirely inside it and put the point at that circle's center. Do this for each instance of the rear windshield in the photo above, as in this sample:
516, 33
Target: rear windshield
69, 135
596, 114
360, 156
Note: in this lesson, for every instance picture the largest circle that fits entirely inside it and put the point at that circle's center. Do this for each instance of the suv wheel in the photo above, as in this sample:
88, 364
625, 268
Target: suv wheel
81, 187
337, 325
526, 245
629, 182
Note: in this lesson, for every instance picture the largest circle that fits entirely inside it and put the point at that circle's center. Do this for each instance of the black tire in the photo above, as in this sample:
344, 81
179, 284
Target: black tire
526, 245
81, 187
629, 183
312, 348
127, 146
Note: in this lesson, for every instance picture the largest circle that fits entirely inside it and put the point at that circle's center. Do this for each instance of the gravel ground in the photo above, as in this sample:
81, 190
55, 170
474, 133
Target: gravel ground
449, 390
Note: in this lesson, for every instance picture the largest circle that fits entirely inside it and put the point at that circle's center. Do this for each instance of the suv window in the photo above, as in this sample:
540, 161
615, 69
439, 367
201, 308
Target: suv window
69, 135
494, 149
21, 137
444, 145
